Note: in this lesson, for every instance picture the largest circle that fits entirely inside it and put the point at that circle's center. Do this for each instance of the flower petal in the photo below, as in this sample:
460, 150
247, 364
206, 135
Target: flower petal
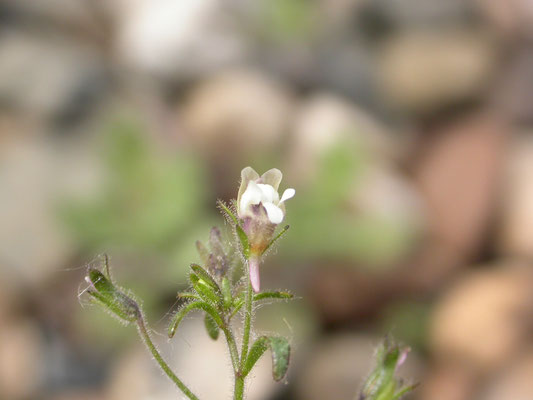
252, 195
272, 177
254, 274
247, 174
274, 213
270, 195
287, 194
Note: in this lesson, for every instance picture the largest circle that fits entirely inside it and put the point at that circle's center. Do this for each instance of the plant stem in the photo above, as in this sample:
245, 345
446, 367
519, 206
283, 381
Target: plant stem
239, 386
247, 323
239, 379
232, 348
143, 332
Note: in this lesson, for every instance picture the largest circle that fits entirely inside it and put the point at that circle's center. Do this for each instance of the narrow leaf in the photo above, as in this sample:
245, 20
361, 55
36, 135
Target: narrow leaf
225, 209
211, 327
404, 391
273, 295
203, 274
195, 305
243, 238
280, 349
188, 295
226, 293
278, 236
205, 291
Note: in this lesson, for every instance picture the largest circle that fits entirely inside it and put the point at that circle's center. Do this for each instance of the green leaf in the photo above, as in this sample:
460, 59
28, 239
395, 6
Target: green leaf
211, 327
280, 349
229, 214
238, 302
188, 295
226, 293
245, 244
205, 291
104, 292
278, 236
195, 305
204, 275
404, 391
243, 238
273, 295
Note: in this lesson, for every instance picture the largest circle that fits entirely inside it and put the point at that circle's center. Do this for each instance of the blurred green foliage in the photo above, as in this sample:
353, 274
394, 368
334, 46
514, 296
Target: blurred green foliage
150, 209
409, 321
149, 200
325, 225
286, 20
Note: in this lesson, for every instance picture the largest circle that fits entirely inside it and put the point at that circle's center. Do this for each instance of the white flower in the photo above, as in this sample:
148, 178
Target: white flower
262, 190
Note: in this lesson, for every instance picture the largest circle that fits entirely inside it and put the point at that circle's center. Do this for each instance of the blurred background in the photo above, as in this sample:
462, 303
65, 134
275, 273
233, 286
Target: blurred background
404, 125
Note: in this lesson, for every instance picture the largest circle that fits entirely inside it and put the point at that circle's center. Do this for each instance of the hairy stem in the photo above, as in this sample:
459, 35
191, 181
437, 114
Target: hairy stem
232, 345
247, 323
239, 387
143, 332
239, 379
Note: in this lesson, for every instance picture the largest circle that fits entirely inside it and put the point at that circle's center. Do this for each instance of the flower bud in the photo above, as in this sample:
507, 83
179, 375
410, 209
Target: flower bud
382, 384
216, 258
104, 292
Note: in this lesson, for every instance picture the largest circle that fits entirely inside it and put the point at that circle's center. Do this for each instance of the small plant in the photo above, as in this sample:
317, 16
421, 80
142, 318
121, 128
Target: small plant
382, 383
254, 219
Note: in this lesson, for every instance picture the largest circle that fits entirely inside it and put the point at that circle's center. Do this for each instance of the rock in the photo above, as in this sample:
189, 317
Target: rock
240, 112
514, 382
338, 365
513, 95
483, 320
177, 40
514, 17
50, 77
457, 175
424, 70
386, 15
73, 14
36, 173
516, 236
447, 383
324, 121
20, 360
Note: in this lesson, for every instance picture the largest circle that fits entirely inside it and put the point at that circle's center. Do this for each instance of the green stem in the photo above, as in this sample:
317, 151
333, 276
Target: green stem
232, 348
239, 387
247, 323
143, 332
239, 378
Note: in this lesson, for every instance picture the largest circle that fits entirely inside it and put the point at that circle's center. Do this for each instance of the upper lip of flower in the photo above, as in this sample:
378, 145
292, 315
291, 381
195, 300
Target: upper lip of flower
263, 190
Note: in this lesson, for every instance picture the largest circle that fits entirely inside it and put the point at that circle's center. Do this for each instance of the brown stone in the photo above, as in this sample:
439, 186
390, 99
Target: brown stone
483, 320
